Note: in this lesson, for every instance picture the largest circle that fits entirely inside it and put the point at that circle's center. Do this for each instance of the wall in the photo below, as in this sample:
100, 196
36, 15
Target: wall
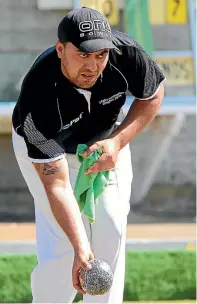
24, 33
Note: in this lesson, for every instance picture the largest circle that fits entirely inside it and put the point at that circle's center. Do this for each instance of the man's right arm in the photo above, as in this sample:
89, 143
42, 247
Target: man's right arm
55, 179
54, 176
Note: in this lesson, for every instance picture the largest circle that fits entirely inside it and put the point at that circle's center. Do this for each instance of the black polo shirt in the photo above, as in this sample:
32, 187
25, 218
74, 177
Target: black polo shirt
54, 117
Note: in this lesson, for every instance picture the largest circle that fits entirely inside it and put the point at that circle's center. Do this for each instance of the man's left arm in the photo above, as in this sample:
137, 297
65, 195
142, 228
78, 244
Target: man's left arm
140, 114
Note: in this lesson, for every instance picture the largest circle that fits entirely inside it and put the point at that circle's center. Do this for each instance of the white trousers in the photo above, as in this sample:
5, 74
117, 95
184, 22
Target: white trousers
51, 279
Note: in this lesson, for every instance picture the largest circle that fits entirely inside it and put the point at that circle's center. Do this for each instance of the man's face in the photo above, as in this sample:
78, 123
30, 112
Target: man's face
82, 69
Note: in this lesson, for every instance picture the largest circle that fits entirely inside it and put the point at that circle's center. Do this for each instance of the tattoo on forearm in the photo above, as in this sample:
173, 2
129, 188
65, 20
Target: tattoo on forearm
49, 170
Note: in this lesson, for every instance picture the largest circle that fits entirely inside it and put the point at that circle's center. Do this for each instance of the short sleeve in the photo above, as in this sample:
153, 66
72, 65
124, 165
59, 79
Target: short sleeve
143, 75
148, 77
40, 122
42, 146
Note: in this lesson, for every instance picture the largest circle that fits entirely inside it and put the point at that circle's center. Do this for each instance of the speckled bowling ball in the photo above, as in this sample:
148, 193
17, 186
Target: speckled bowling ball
98, 280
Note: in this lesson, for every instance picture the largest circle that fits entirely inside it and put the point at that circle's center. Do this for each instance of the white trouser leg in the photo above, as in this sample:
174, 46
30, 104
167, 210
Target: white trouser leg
109, 229
51, 280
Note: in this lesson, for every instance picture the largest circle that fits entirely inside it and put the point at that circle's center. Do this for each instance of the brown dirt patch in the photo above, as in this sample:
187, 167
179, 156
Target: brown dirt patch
27, 231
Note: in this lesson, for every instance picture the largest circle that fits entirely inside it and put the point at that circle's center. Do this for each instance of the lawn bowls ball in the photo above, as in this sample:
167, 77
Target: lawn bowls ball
98, 280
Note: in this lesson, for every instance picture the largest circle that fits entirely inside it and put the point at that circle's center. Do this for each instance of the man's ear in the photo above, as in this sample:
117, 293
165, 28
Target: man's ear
59, 49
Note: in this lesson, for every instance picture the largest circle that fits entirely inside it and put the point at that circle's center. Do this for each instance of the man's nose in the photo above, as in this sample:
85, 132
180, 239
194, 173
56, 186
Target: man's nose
91, 65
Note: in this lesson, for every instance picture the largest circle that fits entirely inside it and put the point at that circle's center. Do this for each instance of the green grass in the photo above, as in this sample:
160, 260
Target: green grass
150, 276
161, 302
15, 277
165, 275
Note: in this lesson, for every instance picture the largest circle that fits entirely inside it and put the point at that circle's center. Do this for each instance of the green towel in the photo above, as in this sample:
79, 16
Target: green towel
88, 187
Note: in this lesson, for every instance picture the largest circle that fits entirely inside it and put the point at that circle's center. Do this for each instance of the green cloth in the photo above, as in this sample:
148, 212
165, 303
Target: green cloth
88, 187
137, 23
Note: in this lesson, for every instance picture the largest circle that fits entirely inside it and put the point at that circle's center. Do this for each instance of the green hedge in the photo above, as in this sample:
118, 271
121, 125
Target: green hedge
156, 275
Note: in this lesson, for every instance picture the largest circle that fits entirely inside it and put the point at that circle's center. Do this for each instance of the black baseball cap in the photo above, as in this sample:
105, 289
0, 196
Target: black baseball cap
86, 29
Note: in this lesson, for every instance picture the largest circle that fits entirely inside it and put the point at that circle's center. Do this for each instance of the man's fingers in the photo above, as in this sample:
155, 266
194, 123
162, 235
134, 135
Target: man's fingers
102, 164
79, 289
76, 282
90, 149
83, 262
91, 256
75, 273
85, 265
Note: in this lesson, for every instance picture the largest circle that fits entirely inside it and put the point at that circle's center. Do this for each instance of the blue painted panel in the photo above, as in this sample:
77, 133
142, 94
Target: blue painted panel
172, 104
192, 23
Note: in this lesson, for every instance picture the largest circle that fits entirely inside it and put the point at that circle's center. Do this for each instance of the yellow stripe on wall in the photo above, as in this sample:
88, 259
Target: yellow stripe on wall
177, 11
109, 8
179, 71
157, 11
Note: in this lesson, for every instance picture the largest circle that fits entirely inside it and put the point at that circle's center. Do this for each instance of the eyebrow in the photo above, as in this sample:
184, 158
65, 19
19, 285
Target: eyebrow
102, 52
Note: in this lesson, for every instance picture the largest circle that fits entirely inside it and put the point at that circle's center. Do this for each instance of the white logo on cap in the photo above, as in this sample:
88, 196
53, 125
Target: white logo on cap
101, 27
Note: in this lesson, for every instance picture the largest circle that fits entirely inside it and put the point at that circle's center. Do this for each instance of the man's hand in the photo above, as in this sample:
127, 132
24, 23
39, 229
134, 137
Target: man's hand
107, 160
81, 261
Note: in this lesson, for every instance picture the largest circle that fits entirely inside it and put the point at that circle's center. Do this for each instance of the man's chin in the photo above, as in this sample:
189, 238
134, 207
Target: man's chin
86, 84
